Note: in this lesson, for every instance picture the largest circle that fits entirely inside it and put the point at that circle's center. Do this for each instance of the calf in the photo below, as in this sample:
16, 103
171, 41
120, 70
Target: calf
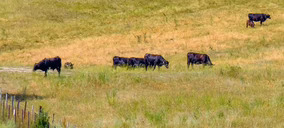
119, 61
196, 58
136, 62
250, 23
68, 65
155, 60
258, 17
49, 63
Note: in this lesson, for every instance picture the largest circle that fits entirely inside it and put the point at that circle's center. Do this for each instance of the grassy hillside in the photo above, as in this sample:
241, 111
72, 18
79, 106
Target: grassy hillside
243, 89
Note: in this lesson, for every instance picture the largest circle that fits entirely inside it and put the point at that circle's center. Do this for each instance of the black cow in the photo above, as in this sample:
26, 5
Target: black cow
196, 58
258, 17
49, 63
68, 65
120, 61
136, 62
153, 60
250, 23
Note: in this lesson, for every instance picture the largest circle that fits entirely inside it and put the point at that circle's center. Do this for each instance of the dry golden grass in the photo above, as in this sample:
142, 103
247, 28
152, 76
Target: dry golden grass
243, 89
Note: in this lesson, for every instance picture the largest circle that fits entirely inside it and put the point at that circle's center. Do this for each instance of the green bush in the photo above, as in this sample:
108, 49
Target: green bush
42, 121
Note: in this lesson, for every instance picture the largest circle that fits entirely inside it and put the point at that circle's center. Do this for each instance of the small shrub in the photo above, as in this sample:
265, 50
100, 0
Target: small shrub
42, 121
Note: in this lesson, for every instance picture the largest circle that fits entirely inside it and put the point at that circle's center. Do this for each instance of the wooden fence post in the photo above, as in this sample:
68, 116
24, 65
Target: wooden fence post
23, 116
3, 109
9, 112
35, 118
0, 95
53, 118
28, 119
32, 114
15, 116
6, 100
18, 107
25, 109
52, 122
12, 97
40, 110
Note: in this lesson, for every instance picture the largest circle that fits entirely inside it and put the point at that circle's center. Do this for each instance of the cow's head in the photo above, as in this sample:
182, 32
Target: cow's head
36, 66
166, 63
268, 16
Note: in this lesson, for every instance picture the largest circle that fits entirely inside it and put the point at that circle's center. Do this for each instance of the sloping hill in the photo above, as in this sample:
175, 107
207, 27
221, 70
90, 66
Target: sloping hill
32, 30
243, 89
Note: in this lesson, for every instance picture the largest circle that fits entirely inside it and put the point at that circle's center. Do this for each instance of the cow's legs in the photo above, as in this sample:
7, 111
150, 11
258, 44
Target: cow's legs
45, 73
155, 64
260, 22
188, 64
58, 70
154, 67
146, 66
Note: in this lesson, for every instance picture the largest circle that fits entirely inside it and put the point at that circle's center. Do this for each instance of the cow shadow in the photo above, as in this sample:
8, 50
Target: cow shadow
22, 97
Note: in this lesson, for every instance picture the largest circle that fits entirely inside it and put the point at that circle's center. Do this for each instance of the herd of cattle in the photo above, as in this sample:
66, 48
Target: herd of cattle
149, 60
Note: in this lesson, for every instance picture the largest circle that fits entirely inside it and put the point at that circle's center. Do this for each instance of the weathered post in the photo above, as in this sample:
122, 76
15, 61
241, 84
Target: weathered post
9, 112
3, 109
28, 119
15, 116
6, 100
34, 117
52, 122
0, 95
23, 116
18, 107
40, 110
53, 118
25, 109
32, 114
12, 103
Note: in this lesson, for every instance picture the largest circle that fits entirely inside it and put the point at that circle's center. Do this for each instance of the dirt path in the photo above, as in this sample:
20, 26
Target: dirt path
28, 70
16, 69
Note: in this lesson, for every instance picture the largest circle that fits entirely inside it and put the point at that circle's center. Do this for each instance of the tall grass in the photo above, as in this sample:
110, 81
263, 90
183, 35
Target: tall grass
222, 96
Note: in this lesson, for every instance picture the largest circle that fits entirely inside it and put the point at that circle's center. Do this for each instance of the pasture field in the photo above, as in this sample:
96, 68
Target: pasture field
245, 87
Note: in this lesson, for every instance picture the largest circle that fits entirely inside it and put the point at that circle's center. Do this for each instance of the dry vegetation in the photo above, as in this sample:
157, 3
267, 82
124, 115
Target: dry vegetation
243, 89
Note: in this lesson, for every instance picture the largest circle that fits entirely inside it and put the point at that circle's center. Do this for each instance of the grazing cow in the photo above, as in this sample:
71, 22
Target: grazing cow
258, 17
120, 61
155, 60
68, 65
250, 23
196, 58
136, 62
49, 63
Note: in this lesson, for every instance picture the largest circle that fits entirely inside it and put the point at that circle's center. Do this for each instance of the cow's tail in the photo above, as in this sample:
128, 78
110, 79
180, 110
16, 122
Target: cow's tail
247, 22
